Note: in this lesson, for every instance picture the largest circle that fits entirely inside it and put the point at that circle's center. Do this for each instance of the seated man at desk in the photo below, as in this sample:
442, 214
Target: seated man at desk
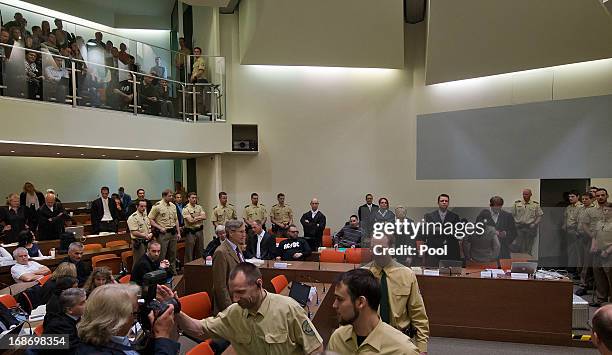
27, 270
75, 254
261, 244
294, 248
350, 236
149, 262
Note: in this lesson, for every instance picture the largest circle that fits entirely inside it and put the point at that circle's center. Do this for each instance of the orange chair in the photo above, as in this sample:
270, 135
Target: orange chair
196, 305
38, 330
279, 282
331, 256
44, 279
116, 243
128, 259
96, 246
8, 301
327, 231
125, 279
506, 264
111, 261
201, 349
358, 255
279, 239
327, 241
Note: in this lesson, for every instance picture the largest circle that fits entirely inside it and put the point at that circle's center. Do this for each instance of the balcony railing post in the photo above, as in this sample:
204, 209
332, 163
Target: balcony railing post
195, 102
134, 87
184, 103
73, 83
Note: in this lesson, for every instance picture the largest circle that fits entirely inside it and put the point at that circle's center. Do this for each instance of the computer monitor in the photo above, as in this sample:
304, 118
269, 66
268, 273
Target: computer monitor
300, 292
524, 267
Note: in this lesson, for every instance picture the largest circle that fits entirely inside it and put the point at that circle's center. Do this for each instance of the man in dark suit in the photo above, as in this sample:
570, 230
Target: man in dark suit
51, 217
72, 304
504, 224
140, 193
15, 219
225, 258
104, 215
366, 213
436, 237
313, 223
261, 244
149, 262
75, 254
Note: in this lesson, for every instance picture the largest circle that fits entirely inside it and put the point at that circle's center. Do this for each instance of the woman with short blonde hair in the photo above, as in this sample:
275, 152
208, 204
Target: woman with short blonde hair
64, 269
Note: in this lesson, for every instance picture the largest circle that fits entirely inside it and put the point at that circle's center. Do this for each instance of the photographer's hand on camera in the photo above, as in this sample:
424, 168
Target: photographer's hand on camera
164, 264
163, 324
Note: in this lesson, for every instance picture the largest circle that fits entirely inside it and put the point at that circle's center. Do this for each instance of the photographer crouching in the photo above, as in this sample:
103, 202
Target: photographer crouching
111, 310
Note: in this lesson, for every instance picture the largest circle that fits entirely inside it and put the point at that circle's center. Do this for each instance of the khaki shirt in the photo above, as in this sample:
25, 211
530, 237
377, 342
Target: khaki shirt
526, 212
223, 214
194, 211
582, 216
571, 216
405, 300
139, 222
383, 340
279, 327
281, 214
253, 213
164, 214
603, 233
199, 68
592, 216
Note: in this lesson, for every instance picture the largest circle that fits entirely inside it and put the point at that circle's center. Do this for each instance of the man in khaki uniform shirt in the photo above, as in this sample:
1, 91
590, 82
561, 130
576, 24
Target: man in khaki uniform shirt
255, 212
194, 217
140, 230
603, 256
586, 274
258, 322
592, 218
575, 251
281, 216
163, 217
405, 307
223, 212
361, 329
527, 216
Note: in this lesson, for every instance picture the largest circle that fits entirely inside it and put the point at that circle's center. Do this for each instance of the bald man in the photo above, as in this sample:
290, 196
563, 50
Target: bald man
602, 330
51, 217
527, 215
313, 223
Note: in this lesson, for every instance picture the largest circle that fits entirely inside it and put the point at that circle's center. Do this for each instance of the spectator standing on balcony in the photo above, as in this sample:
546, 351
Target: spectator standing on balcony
37, 39
16, 22
32, 75
167, 106
123, 54
45, 31
181, 58
149, 95
66, 37
158, 69
198, 75
50, 43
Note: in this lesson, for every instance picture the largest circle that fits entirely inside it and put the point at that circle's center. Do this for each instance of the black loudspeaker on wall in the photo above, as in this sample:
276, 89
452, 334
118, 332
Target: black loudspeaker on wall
414, 10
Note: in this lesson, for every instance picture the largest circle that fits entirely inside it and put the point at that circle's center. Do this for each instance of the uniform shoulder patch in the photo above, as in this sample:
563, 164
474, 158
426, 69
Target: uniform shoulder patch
306, 328
517, 201
246, 206
215, 207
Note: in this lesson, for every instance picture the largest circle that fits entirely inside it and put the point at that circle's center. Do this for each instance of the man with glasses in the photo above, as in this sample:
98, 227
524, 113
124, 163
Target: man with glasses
163, 217
229, 254
294, 248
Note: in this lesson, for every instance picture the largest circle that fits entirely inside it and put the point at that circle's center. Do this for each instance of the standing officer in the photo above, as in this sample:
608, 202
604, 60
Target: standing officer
527, 216
163, 217
281, 216
194, 217
223, 212
255, 212
140, 230
575, 246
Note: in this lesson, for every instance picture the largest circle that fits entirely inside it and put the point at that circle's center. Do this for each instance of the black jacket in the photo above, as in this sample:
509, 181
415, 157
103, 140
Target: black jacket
288, 247
438, 239
39, 195
17, 220
158, 346
505, 223
143, 266
97, 212
313, 227
267, 248
51, 230
62, 324
212, 246
83, 270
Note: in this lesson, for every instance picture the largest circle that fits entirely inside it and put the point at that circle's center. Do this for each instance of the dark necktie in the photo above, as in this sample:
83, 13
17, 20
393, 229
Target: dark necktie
385, 308
239, 254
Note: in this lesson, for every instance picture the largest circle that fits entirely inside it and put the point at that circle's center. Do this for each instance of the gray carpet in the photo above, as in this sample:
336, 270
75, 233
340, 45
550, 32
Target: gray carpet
451, 346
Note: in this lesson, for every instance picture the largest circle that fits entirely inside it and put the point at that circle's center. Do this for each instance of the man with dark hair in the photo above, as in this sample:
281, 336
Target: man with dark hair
401, 304
602, 330
104, 214
575, 251
293, 248
257, 322
357, 296
586, 275
223, 212
366, 213
164, 218
438, 239
181, 58
504, 225
602, 258
194, 217
140, 196
139, 227
313, 222
255, 212
150, 261
281, 216
261, 244
591, 218
350, 235
72, 306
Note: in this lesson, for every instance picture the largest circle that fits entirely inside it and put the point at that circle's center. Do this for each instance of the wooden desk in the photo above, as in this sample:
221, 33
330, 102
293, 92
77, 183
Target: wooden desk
321, 314
46, 245
462, 306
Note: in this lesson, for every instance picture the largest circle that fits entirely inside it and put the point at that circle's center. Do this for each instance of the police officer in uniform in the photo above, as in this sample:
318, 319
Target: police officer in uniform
575, 250
164, 218
258, 322
281, 216
194, 217
592, 217
140, 230
527, 216
586, 275
223, 212
255, 212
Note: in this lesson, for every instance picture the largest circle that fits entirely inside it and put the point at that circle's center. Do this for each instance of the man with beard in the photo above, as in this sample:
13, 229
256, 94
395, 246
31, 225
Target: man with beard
350, 235
258, 322
149, 262
357, 296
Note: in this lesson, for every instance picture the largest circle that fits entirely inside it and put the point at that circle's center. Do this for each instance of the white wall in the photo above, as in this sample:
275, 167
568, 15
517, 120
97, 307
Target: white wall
339, 133
81, 179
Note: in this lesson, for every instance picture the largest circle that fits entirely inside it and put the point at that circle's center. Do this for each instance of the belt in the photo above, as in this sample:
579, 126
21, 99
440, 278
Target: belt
194, 230
171, 230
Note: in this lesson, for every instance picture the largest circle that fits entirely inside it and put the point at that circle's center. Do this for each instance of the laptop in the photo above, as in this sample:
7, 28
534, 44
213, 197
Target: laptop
524, 267
450, 267
77, 230
300, 292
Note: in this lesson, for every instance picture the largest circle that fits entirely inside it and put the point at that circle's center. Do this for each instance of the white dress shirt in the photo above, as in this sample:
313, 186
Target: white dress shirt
259, 239
107, 214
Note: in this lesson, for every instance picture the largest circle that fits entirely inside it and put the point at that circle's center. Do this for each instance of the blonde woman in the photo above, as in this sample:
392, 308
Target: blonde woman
99, 276
110, 312
64, 269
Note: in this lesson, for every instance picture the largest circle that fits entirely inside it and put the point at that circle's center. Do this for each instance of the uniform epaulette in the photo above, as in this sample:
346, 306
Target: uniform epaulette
246, 206
275, 205
518, 201
536, 202
229, 204
215, 207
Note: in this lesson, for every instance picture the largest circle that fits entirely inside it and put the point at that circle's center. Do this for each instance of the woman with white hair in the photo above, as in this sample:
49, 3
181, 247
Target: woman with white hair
217, 239
110, 312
